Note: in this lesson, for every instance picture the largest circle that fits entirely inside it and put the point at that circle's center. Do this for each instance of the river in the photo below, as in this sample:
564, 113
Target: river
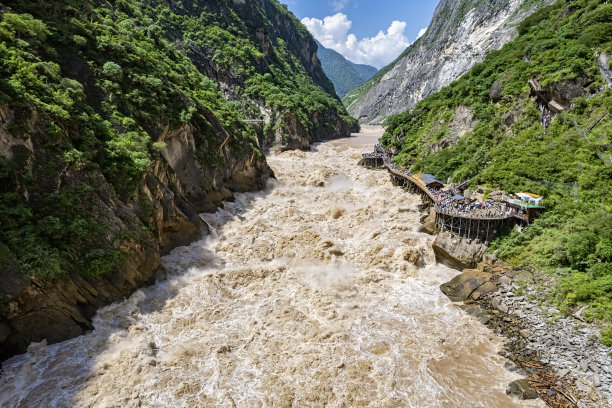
318, 292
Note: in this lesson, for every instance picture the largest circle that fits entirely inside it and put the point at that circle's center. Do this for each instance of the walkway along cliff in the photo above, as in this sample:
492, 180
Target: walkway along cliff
465, 227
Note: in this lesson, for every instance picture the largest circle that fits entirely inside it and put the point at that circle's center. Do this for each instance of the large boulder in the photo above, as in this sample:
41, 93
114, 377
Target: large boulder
458, 252
476, 312
462, 286
521, 389
565, 91
428, 222
495, 93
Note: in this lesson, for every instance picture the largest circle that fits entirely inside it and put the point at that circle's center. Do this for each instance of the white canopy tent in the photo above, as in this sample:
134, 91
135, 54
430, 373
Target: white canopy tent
532, 198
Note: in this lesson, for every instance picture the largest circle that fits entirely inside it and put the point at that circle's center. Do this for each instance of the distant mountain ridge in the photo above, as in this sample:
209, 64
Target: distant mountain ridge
344, 74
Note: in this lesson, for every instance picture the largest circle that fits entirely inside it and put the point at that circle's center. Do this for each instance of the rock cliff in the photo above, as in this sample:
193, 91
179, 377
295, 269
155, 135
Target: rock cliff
261, 84
120, 122
459, 35
160, 215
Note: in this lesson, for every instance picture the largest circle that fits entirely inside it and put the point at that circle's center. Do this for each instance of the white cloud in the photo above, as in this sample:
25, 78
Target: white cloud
421, 32
333, 32
339, 4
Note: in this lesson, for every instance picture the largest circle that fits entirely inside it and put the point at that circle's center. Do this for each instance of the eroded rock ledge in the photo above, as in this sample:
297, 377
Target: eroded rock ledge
458, 252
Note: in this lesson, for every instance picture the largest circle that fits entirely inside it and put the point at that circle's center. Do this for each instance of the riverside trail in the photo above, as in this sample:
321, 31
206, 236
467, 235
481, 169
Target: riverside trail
316, 292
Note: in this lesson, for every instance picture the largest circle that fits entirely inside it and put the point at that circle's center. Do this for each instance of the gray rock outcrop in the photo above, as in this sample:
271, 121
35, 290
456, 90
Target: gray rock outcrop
462, 286
459, 35
166, 203
458, 252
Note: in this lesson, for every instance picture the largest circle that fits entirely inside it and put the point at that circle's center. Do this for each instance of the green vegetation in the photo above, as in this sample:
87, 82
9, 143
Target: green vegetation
90, 87
267, 68
509, 149
344, 74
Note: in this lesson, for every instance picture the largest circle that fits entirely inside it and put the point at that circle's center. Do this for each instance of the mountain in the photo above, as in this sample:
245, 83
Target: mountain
488, 128
344, 74
120, 121
459, 35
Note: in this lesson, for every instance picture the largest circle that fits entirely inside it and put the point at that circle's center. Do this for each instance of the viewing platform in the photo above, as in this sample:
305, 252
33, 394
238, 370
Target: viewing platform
453, 212
373, 160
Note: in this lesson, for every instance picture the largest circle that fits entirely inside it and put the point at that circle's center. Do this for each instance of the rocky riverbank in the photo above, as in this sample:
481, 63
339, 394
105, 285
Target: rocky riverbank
561, 357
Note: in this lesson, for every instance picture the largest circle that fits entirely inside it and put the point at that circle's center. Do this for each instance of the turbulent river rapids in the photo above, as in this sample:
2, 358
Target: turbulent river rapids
318, 292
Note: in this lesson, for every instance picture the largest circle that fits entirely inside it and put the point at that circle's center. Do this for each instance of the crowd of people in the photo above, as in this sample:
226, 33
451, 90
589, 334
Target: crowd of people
394, 167
486, 209
449, 204
436, 193
386, 154
453, 206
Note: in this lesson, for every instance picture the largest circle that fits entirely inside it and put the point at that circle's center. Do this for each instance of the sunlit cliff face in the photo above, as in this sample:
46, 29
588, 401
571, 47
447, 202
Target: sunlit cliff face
317, 292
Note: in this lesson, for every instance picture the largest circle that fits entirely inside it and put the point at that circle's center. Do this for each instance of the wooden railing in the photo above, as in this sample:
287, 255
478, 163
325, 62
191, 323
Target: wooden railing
473, 216
407, 175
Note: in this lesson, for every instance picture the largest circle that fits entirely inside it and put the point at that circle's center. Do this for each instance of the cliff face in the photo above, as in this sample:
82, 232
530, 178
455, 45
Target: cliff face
459, 35
135, 230
273, 70
492, 130
119, 123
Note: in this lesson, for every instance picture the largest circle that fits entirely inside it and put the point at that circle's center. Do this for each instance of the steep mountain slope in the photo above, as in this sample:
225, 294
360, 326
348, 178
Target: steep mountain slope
258, 51
459, 35
488, 128
120, 121
344, 74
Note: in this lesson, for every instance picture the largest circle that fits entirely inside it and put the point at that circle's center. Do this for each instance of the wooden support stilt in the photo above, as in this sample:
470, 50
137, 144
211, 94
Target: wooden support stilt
470, 229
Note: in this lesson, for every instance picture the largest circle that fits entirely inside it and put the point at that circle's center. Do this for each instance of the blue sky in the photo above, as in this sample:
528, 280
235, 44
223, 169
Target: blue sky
371, 32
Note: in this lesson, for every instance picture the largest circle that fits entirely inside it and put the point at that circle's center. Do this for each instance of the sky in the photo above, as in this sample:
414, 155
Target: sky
372, 32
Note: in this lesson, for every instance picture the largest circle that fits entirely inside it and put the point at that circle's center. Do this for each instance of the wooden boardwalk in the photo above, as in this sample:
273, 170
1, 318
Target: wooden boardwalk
474, 226
409, 178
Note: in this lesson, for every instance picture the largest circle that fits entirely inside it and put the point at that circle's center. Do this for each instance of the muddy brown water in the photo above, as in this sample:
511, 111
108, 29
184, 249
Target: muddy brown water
317, 292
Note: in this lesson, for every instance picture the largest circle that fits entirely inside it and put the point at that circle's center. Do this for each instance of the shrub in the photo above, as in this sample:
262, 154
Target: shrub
112, 71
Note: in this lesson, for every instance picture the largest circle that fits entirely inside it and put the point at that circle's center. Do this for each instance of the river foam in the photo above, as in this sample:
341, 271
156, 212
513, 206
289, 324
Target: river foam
318, 292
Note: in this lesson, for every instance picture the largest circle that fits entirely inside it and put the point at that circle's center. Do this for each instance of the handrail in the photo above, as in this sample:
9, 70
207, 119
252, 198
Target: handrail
460, 214
407, 175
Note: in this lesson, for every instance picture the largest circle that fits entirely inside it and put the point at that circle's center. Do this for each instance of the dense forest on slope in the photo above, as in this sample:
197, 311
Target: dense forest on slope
486, 128
120, 120
108, 78
263, 58
344, 74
